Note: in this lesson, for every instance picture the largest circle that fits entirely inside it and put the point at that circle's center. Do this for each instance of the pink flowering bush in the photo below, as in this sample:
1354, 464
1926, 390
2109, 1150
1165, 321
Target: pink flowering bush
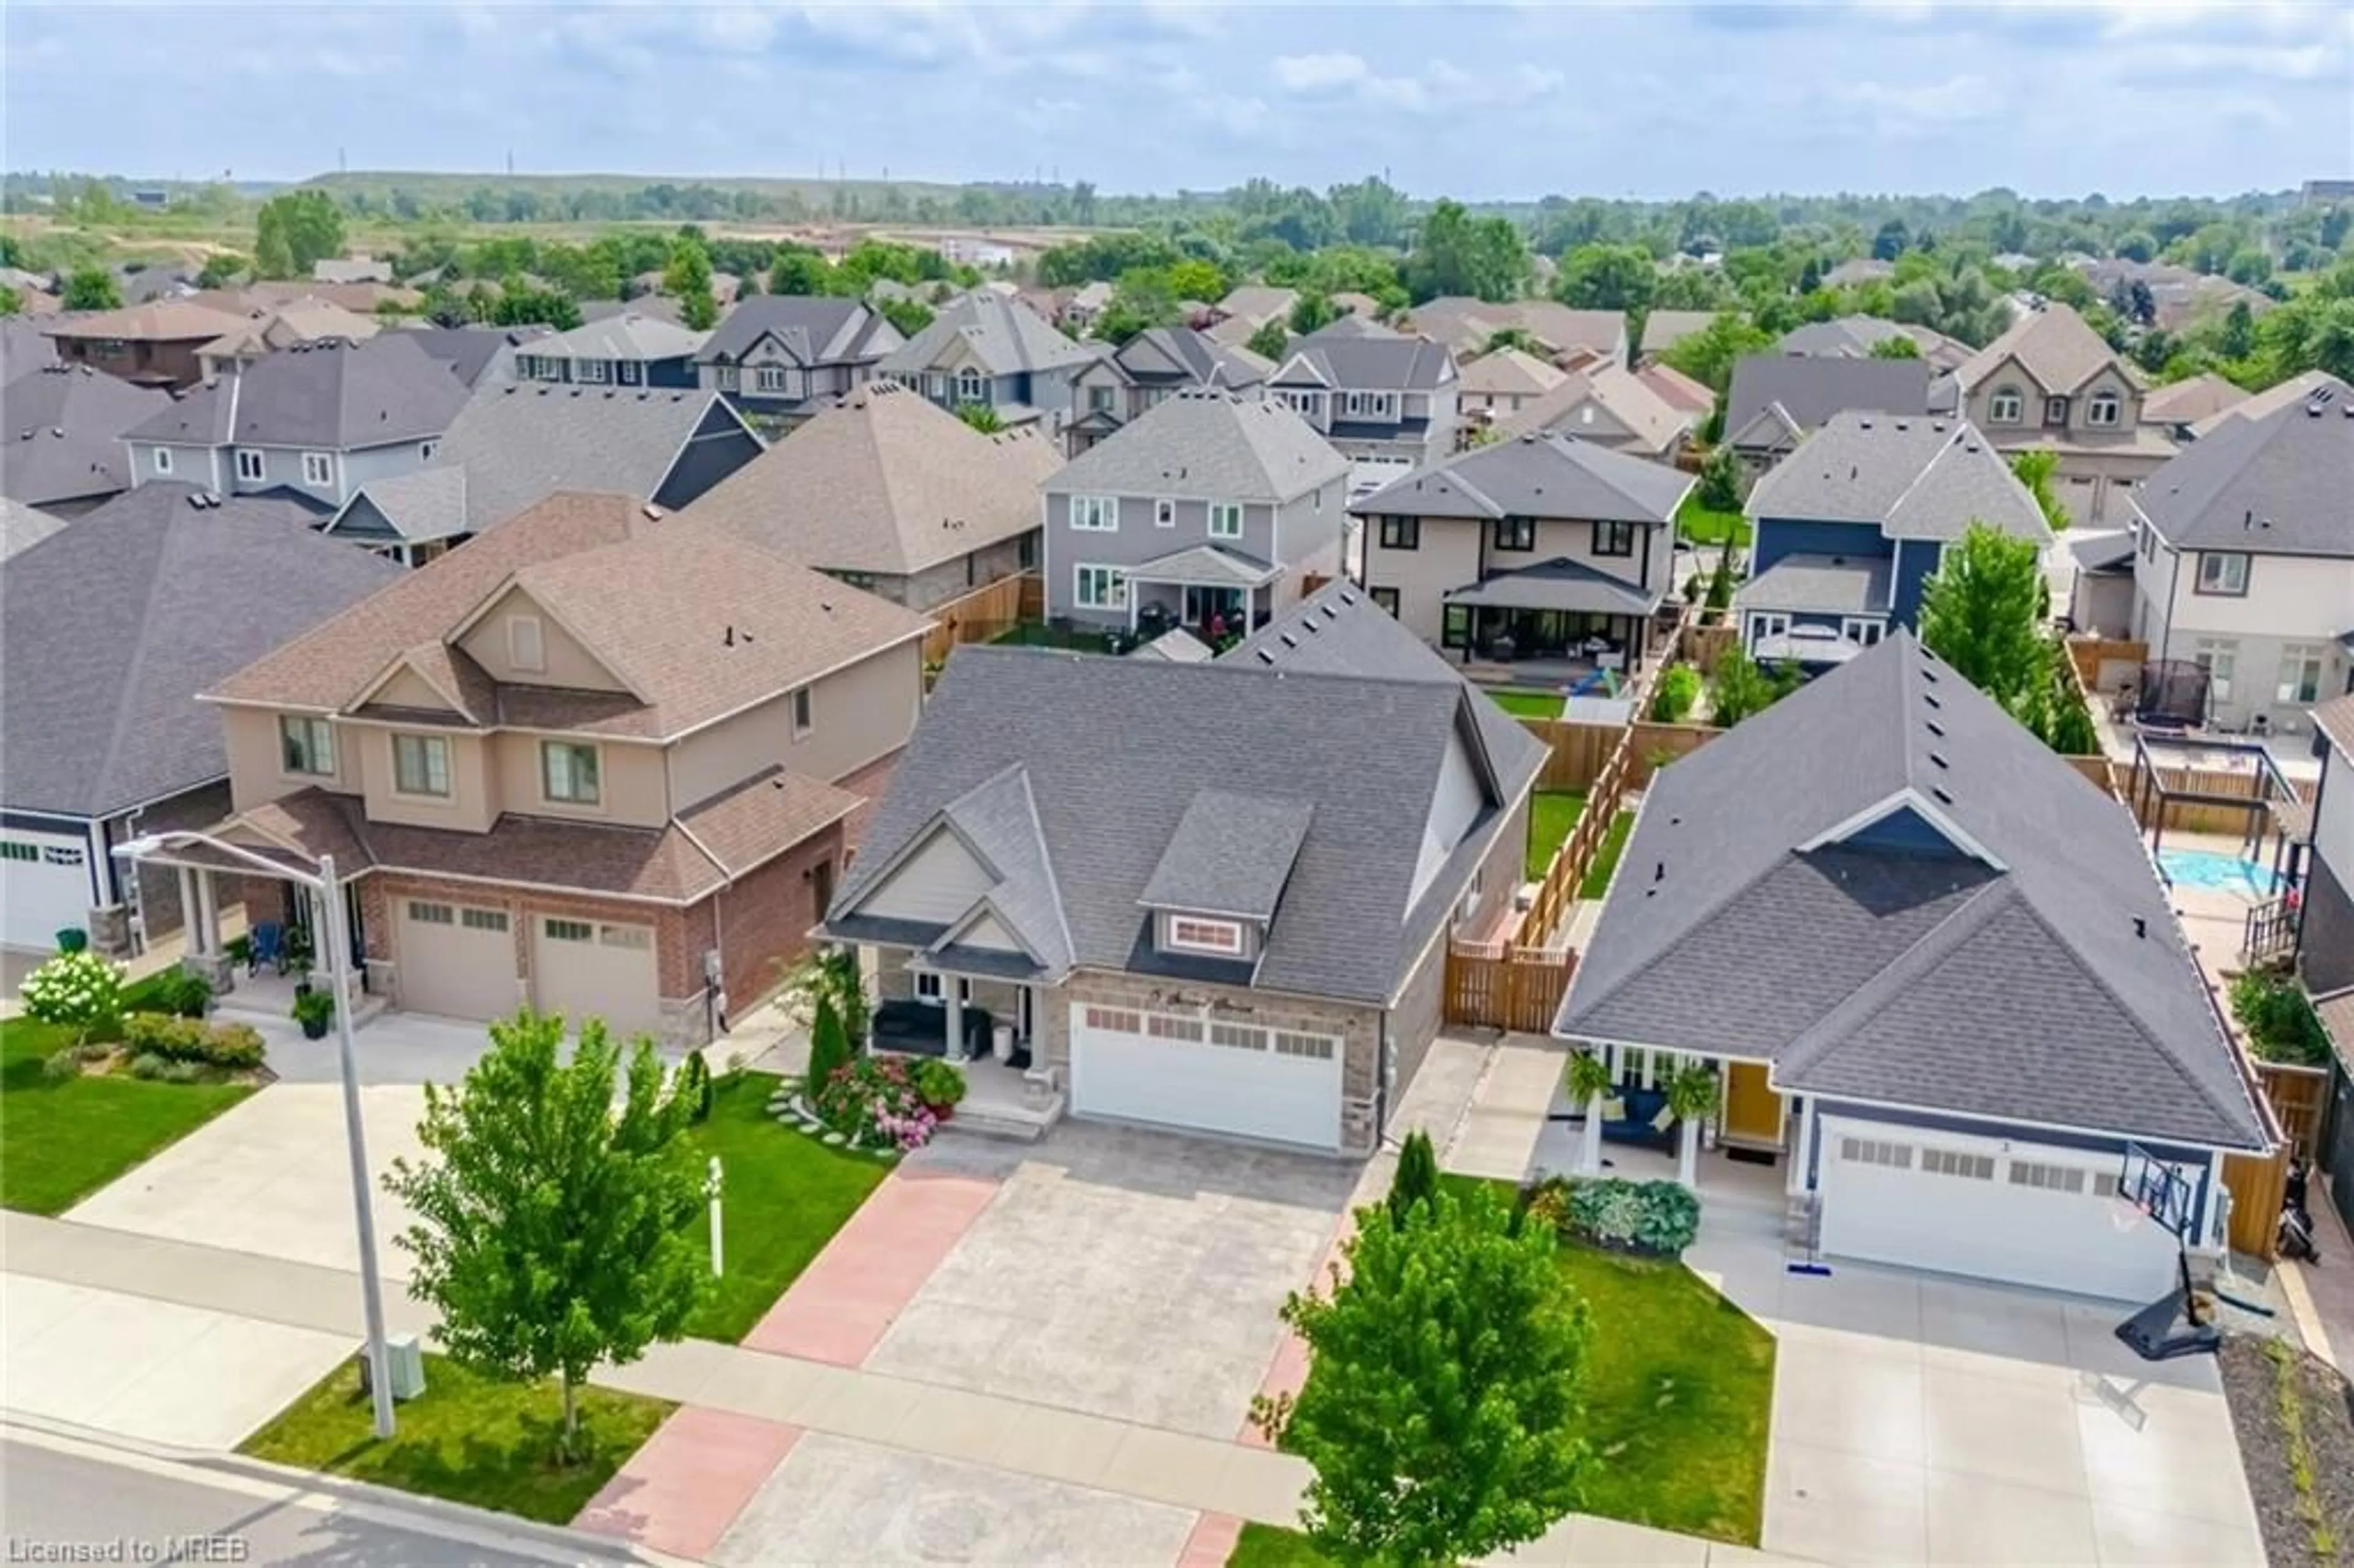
874, 1102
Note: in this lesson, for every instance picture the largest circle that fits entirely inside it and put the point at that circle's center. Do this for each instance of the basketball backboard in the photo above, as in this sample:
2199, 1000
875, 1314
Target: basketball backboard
2158, 1190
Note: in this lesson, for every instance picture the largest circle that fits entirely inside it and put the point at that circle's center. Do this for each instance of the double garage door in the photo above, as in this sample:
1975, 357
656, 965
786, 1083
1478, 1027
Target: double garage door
44, 887
2021, 1213
1186, 1071
459, 961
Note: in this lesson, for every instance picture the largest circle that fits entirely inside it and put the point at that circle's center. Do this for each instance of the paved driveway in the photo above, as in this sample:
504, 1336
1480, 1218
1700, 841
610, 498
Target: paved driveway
391, 1048
1122, 1272
272, 1176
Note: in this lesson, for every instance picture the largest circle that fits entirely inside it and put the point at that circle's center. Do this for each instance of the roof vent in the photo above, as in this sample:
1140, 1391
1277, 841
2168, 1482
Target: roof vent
1286, 640
2141, 928
1264, 657
1931, 698
1939, 758
1347, 596
1310, 627
1332, 614
1936, 729
1939, 791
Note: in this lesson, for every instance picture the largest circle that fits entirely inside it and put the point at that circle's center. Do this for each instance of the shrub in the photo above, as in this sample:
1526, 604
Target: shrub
237, 1046
80, 992
874, 1102
1656, 1217
148, 1066
165, 1034
829, 1044
695, 1087
2280, 1023
1720, 481
182, 1072
191, 995
1670, 1218
61, 1066
1417, 1180
939, 1083
1676, 694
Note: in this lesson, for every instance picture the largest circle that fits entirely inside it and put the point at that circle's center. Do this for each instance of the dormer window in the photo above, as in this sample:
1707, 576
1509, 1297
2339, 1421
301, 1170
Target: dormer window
2103, 411
2005, 407
1195, 934
526, 650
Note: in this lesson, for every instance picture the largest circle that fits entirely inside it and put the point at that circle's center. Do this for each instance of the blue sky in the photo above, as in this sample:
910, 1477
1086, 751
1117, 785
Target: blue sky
2048, 97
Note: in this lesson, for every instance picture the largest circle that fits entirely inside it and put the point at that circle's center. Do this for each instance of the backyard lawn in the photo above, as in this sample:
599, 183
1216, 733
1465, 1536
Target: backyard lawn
1525, 703
1605, 859
784, 1194
60, 1141
1552, 814
468, 1438
1698, 525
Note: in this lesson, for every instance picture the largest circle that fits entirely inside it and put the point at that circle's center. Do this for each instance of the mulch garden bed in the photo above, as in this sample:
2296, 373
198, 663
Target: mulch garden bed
2294, 1419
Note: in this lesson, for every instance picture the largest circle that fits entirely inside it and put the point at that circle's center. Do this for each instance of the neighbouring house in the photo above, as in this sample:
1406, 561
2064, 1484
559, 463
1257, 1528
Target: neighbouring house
1935, 971
477, 356
1858, 271
1086, 303
1210, 510
629, 350
1855, 337
360, 299
2179, 296
112, 625
2180, 404
1847, 530
159, 344
1387, 402
1251, 943
1775, 399
62, 425
1537, 546
1662, 330
785, 356
1247, 308
299, 322
1692, 399
985, 349
313, 423
2051, 384
2326, 927
2288, 394
1503, 382
23, 526
1557, 332
894, 495
595, 763
1154, 365
2246, 561
2101, 594
1611, 406
351, 269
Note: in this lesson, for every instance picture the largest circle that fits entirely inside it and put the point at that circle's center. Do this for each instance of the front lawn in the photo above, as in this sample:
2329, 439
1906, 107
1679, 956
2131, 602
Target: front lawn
784, 1195
468, 1438
1698, 525
61, 1140
1552, 814
1605, 858
1272, 1546
1525, 703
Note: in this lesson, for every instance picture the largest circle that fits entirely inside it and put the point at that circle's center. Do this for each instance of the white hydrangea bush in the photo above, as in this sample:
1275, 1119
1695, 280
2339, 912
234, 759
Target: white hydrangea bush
80, 992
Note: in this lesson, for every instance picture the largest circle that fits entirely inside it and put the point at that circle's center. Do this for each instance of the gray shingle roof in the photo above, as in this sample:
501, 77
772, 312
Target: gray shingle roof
1231, 854
1206, 566
1562, 584
1004, 336
468, 350
1114, 751
23, 526
330, 394
61, 432
1918, 478
1180, 353
1813, 389
631, 335
114, 624
1201, 445
812, 328
2279, 482
427, 505
1344, 356
1548, 475
2036, 974
1824, 583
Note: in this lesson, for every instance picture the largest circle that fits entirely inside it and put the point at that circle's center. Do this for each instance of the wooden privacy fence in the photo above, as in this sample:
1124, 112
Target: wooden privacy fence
1653, 746
2107, 663
1517, 990
985, 612
1578, 752
1702, 646
2202, 816
2299, 1096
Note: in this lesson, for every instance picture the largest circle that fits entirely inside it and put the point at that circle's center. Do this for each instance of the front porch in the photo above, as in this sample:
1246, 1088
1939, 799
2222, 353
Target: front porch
991, 1026
1741, 1154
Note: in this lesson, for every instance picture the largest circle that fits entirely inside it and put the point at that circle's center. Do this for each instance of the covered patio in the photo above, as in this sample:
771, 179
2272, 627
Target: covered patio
1212, 590
1747, 1148
1560, 609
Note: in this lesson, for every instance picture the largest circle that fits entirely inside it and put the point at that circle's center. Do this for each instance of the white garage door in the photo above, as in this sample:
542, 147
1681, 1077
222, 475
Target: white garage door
2026, 1213
1186, 1071
44, 887
456, 959
595, 968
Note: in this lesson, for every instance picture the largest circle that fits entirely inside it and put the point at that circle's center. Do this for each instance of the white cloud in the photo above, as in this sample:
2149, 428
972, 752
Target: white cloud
1319, 73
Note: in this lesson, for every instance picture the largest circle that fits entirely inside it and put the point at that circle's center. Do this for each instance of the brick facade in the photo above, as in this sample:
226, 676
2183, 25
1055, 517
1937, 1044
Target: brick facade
765, 919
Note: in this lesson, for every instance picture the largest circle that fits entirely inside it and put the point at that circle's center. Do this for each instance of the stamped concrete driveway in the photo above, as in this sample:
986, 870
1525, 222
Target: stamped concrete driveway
1123, 1273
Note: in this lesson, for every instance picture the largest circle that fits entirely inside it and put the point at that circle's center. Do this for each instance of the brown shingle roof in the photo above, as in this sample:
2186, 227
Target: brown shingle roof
764, 816
2055, 346
158, 321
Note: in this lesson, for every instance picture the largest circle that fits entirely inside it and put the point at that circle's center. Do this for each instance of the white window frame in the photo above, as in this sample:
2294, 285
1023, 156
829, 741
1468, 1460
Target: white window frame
2298, 660
1199, 934
572, 931
2222, 582
428, 747
1863, 630
318, 468
318, 739
1095, 513
1164, 514
526, 644
727, 378
804, 716
163, 459
928, 987
252, 472
569, 753
2103, 410
1764, 624
2220, 657
2007, 407
768, 378
632, 372
971, 386
1114, 585
594, 372
1225, 520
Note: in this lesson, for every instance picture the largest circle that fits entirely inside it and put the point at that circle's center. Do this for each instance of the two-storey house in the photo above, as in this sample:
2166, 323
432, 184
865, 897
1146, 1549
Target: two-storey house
782, 358
1848, 529
1774, 399
2050, 383
628, 350
1607, 406
1148, 367
984, 349
2243, 560
63, 426
159, 344
630, 805
1209, 511
1388, 403
1541, 545
313, 423
895, 495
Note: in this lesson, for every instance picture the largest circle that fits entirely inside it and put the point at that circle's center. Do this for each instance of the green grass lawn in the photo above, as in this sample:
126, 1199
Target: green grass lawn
468, 1439
1038, 635
1552, 814
1605, 859
1523, 702
785, 1193
61, 1141
1272, 1546
1698, 525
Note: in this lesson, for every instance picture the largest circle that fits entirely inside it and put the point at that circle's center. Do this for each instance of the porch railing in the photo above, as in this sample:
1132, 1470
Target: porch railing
2270, 932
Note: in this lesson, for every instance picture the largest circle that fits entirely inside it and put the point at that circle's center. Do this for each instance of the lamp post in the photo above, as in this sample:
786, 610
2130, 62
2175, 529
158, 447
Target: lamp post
337, 937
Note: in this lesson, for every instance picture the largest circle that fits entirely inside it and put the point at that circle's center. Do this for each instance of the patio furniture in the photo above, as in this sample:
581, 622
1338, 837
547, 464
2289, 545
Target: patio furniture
920, 1028
268, 948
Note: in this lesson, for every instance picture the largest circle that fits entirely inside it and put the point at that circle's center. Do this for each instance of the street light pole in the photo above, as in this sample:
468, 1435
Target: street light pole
339, 960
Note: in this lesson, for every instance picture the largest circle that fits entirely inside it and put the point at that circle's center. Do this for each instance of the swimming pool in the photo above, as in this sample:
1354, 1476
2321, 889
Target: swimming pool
2220, 873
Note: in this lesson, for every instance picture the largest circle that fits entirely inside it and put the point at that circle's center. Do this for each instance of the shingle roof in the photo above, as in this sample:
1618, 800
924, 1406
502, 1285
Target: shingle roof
1231, 854
1663, 329
1918, 478
2189, 401
1536, 476
23, 526
2054, 345
1094, 739
1823, 584
297, 321
468, 350
1854, 336
330, 394
1510, 372
2283, 395
1675, 390
1812, 390
61, 432
1940, 982
1466, 324
112, 626
2276, 483
1651, 419
1180, 353
627, 337
421, 506
814, 330
1559, 584
158, 321
885, 482
1004, 336
1335, 358
1258, 302
1201, 445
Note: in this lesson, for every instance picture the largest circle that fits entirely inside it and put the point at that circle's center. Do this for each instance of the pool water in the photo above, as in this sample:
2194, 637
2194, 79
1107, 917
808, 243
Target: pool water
2220, 873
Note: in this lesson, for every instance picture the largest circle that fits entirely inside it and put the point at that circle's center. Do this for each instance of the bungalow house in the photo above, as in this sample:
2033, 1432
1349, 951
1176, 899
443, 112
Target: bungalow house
629, 350
296, 322
597, 762
513, 445
1848, 529
1610, 406
1251, 943
1503, 382
985, 349
1775, 399
1209, 511
1246, 309
2245, 561
785, 356
1153, 365
894, 495
1560, 333
111, 626
1388, 403
62, 428
158, 343
1541, 545
1936, 974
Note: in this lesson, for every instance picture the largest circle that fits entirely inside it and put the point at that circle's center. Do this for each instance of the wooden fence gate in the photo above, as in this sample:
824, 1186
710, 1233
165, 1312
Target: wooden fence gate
1518, 989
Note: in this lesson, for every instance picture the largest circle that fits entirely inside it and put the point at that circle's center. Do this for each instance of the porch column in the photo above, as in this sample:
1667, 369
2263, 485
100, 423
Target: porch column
205, 929
187, 909
201, 952
1803, 1152
1688, 1136
952, 1003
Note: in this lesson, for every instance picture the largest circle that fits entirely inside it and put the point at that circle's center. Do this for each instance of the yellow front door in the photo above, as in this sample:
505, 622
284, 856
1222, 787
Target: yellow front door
1752, 1112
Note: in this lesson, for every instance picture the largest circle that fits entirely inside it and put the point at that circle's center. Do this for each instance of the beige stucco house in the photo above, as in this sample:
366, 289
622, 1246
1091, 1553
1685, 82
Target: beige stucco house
2051, 383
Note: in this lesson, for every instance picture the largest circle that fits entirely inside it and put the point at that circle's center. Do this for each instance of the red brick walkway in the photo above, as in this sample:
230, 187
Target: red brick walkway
681, 1492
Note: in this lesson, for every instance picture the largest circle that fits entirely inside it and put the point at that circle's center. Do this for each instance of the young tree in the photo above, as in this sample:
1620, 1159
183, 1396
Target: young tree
830, 1048
1979, 614
1416, 1179
92, 288
1709, 355
982, 417
1312, 311
1442, 1418
909, 316
220, 270
554, 1230
1270, 340
1743, 690
1896, 347
1720, 481
2033, 469
687, 276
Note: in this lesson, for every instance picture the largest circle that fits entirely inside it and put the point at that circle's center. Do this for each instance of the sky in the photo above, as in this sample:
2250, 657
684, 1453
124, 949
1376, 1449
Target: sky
2046, 97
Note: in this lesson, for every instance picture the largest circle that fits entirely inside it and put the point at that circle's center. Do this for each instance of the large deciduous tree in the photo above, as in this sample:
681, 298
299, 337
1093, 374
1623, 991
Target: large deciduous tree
687, 276
295, 231
556, 1228
1456, 253
1606, 278
1709, 355
90, 289
1981, 611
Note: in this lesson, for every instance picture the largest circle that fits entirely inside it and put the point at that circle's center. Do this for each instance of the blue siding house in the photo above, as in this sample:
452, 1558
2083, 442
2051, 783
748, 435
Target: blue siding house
627, 350
1849, 529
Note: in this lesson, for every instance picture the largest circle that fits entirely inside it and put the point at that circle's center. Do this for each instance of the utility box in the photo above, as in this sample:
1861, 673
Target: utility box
403, 1360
